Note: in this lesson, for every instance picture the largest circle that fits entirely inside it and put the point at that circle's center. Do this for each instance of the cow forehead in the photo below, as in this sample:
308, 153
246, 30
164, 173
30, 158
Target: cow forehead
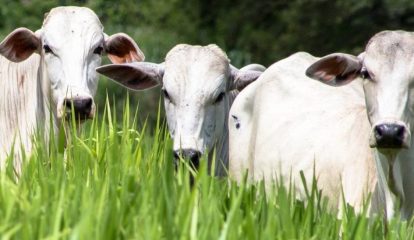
79, 14
186, 63
389, 50
71, 22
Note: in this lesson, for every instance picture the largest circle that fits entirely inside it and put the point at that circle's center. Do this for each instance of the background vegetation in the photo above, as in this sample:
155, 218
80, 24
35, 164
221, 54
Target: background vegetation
261, 31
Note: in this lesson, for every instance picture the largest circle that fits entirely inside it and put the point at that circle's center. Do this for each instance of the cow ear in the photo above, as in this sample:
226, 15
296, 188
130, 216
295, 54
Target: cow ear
239, 79
135, 76
121, 48
20, 45
335, 69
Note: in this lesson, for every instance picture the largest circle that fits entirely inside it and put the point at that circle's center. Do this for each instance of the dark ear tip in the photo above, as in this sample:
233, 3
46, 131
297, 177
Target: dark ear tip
101, 69
309, 72
109, 67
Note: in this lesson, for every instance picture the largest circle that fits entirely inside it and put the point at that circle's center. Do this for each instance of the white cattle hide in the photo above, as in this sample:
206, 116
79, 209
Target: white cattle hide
44, 74
284, 123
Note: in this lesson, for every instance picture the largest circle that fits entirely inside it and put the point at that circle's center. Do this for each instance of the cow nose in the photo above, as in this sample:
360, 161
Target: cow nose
389, 135
82, 106
189, 154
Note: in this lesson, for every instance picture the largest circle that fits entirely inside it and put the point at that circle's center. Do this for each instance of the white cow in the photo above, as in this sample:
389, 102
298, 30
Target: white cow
44, 73
284, 123
199, 85
387, 67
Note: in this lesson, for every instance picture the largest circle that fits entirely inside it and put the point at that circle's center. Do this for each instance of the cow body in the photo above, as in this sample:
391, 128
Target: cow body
199, 85
387, 70
48, 73
283, 124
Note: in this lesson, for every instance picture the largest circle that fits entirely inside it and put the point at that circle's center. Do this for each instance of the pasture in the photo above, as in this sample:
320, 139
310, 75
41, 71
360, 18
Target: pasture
117, 181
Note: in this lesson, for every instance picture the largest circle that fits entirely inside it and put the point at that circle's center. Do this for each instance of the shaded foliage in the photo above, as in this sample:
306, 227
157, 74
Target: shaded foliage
261, 31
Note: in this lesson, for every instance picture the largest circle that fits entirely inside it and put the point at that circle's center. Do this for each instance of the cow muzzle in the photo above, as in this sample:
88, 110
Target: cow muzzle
83, 107
191, 155
390, 135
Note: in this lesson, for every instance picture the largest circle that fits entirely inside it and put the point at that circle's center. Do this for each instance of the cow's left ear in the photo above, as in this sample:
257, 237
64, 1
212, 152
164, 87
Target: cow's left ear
20, 45
336, 69
136, 75
240, 78
121, 48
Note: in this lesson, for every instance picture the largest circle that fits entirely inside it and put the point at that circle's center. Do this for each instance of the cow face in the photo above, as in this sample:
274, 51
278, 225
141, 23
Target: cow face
71, 43
195, 98
196, 82
387, 70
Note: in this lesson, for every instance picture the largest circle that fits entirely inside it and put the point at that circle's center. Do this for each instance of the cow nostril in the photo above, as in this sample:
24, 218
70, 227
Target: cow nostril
379, 131
68, 104
176, 159
194, 157
82, 104
195, 160
400, 131
176, 155
88, 103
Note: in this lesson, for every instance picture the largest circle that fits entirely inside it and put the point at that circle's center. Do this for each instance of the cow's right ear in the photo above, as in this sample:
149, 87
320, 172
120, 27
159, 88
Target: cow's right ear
136, 75
335, 69
20, 45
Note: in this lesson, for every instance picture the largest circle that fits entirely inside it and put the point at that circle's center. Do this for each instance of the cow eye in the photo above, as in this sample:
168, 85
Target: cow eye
166, 95
219, 98
365, 74
47, 49
98, 50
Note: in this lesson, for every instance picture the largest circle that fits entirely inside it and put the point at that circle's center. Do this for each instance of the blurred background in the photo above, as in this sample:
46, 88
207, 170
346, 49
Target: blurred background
261, 31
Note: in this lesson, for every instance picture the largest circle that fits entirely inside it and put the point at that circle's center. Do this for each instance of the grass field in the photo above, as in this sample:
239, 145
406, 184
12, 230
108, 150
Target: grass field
117, 181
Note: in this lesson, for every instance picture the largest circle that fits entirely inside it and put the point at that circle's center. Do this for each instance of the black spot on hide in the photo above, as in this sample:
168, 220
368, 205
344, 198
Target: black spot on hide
236, 120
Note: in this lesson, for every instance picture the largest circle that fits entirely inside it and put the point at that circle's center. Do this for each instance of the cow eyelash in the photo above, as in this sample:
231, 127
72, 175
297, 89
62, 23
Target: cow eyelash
98, 50
47, 49
219, 98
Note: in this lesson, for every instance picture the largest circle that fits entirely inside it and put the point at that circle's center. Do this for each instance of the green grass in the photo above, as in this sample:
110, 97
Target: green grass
118, 182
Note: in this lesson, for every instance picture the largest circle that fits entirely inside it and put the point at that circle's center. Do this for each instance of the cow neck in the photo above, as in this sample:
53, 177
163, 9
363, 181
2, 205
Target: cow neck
405, 160
222, 143
396, 182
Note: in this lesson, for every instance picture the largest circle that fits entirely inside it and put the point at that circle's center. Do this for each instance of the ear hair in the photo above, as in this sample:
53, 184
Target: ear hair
20, 45
121, 48
336, 69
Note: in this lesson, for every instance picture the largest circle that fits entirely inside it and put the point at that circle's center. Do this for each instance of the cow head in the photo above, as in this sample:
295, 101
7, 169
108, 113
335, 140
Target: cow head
387, 70
196, 84
71, 43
